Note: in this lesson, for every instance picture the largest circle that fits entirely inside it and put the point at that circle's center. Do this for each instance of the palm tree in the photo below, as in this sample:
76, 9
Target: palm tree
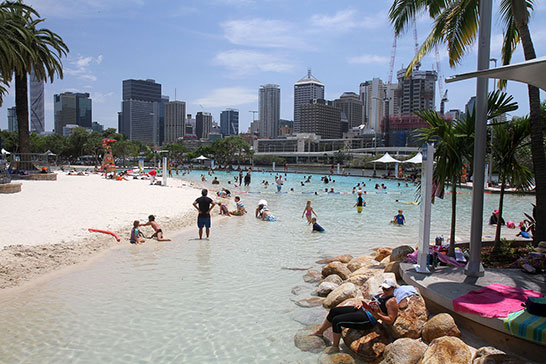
456, 25
509, 138
40, 50
455, 145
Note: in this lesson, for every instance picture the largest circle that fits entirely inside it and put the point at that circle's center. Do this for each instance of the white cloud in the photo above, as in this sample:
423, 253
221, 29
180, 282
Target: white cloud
243, 62
368, 59
101, 97
80, 67
80, 8
228, 96
345, 20
263, 33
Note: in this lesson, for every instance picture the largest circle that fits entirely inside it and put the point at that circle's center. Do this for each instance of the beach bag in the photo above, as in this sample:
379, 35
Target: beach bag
535, 306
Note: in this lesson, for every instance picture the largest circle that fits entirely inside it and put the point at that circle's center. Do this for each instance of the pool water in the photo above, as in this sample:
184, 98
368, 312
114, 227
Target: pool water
223, 300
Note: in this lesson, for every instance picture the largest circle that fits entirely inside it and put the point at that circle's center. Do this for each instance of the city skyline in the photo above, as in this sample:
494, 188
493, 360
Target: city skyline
217, 53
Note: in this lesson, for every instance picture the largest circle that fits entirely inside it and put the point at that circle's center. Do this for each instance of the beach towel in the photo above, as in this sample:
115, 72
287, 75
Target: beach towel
526, 326
495, 300
404, 291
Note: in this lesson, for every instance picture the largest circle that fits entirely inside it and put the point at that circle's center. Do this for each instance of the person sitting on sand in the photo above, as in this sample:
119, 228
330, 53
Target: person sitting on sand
362, 315
241, 210
316, 226
263, 213
137, 237
223, 209
399, 219
158, 233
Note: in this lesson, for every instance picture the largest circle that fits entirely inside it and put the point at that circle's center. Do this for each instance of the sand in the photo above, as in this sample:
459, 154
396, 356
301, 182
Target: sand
44, 227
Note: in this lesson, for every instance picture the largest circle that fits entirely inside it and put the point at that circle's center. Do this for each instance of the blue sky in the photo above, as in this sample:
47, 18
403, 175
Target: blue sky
216, 53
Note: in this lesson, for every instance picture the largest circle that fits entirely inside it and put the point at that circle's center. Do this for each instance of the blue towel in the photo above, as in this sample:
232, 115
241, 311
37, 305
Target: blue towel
404, 291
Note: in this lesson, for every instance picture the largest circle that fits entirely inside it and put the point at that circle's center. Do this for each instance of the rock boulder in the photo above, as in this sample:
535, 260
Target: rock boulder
400, 253
404, 351
358, 262
382, 253
336, 268
369, 344
337, 358
438, 326
325, 288
491, 355
310, 302
410, 321
304, 342
447, 349
333, 278
341, 258
312, 276
340, 294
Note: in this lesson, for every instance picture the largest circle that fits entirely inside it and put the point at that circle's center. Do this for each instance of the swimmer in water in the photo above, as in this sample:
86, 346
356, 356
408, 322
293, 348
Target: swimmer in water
360, 203
316, 226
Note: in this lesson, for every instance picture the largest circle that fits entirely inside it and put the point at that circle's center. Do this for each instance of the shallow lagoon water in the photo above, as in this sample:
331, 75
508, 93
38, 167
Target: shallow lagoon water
223, 300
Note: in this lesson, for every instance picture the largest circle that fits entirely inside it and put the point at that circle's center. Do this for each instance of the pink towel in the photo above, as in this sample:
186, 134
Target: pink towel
495, 300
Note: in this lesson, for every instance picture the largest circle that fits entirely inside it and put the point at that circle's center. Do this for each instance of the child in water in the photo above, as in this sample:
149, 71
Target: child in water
316, 226
308, 211
137, 237
241, 210
158, 233
399, 219
360, 203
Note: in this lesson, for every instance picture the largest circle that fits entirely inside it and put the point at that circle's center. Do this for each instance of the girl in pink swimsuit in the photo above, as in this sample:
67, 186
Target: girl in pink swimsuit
308, 211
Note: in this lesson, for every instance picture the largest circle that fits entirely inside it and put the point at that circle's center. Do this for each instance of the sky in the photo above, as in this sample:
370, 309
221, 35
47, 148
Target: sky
215, 54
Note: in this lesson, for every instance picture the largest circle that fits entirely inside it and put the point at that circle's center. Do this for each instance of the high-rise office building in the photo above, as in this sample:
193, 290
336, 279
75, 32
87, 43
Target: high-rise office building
229, 122
141, 110
322, 118
373, 95
470, 106
12, 119
72, 108
287, 127
95, 126
37, 119
350, 104
416, 92
305, 90
161, 126
203, 124
269, 110
189, 125
175, 117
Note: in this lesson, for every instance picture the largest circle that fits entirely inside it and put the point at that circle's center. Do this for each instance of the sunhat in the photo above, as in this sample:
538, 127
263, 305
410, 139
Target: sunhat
388, 283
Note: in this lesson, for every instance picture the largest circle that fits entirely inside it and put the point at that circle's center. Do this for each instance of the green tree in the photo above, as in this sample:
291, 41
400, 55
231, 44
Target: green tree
230, 149
508, 139
454, 145
38, 49
56, 143
456, 25
176, 151
9, 140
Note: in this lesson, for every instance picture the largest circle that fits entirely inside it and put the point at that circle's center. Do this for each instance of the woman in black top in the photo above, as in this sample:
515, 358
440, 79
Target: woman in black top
362, 315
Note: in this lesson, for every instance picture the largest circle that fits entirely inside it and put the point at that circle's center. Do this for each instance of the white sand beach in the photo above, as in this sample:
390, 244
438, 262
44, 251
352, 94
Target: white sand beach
44, 227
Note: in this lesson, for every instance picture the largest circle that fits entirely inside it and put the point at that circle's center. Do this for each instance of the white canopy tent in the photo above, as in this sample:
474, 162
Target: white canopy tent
532, 72
5, 151
417, 159
386, 159
201, 158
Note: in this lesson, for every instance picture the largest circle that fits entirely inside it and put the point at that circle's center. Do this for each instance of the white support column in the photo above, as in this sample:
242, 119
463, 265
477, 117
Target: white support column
338, 168
273, 166
426, 207
164, 183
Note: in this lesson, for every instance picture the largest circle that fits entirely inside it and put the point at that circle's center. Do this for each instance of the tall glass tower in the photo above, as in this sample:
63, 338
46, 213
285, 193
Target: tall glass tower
229, 122
269, 110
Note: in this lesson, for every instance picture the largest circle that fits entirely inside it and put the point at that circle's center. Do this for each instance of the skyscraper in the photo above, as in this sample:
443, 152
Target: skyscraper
175, 113
350, 104
12, 119
203, 124
72, 108
305, 90
141, 111
269, 111
416, 92
161, 126
37, 119
322, 118
372, 94
229, 122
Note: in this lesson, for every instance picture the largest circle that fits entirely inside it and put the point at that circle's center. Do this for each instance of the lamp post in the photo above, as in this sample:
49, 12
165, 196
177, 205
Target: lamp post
374, 151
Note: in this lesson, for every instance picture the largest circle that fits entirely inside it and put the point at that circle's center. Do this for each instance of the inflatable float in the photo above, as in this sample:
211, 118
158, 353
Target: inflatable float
105, 232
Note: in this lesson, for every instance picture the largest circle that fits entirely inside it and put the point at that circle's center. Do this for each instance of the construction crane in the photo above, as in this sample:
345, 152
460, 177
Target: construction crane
393, 55
443, 102
393, 51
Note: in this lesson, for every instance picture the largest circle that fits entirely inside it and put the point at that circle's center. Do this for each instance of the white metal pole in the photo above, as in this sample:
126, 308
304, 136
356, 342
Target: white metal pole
338, 168
164, 171
474, 268
273, 166
426, 207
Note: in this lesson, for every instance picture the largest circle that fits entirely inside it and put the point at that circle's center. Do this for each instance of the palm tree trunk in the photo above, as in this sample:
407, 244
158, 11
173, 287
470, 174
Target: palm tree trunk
537, 136
21, 105
451, 250
499, 225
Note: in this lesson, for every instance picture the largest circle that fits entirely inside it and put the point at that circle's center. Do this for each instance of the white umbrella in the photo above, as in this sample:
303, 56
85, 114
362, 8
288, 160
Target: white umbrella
201, 158
417, 159
386, 159
49, 152
5, 151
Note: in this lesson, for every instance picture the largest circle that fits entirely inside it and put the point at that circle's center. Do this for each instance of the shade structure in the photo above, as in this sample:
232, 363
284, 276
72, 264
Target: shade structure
386, 159
5, 151
49, 152
532, 72
201, 158
417, 159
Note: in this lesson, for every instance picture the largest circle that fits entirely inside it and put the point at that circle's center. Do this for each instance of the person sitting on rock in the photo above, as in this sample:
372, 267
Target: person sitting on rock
362, 315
